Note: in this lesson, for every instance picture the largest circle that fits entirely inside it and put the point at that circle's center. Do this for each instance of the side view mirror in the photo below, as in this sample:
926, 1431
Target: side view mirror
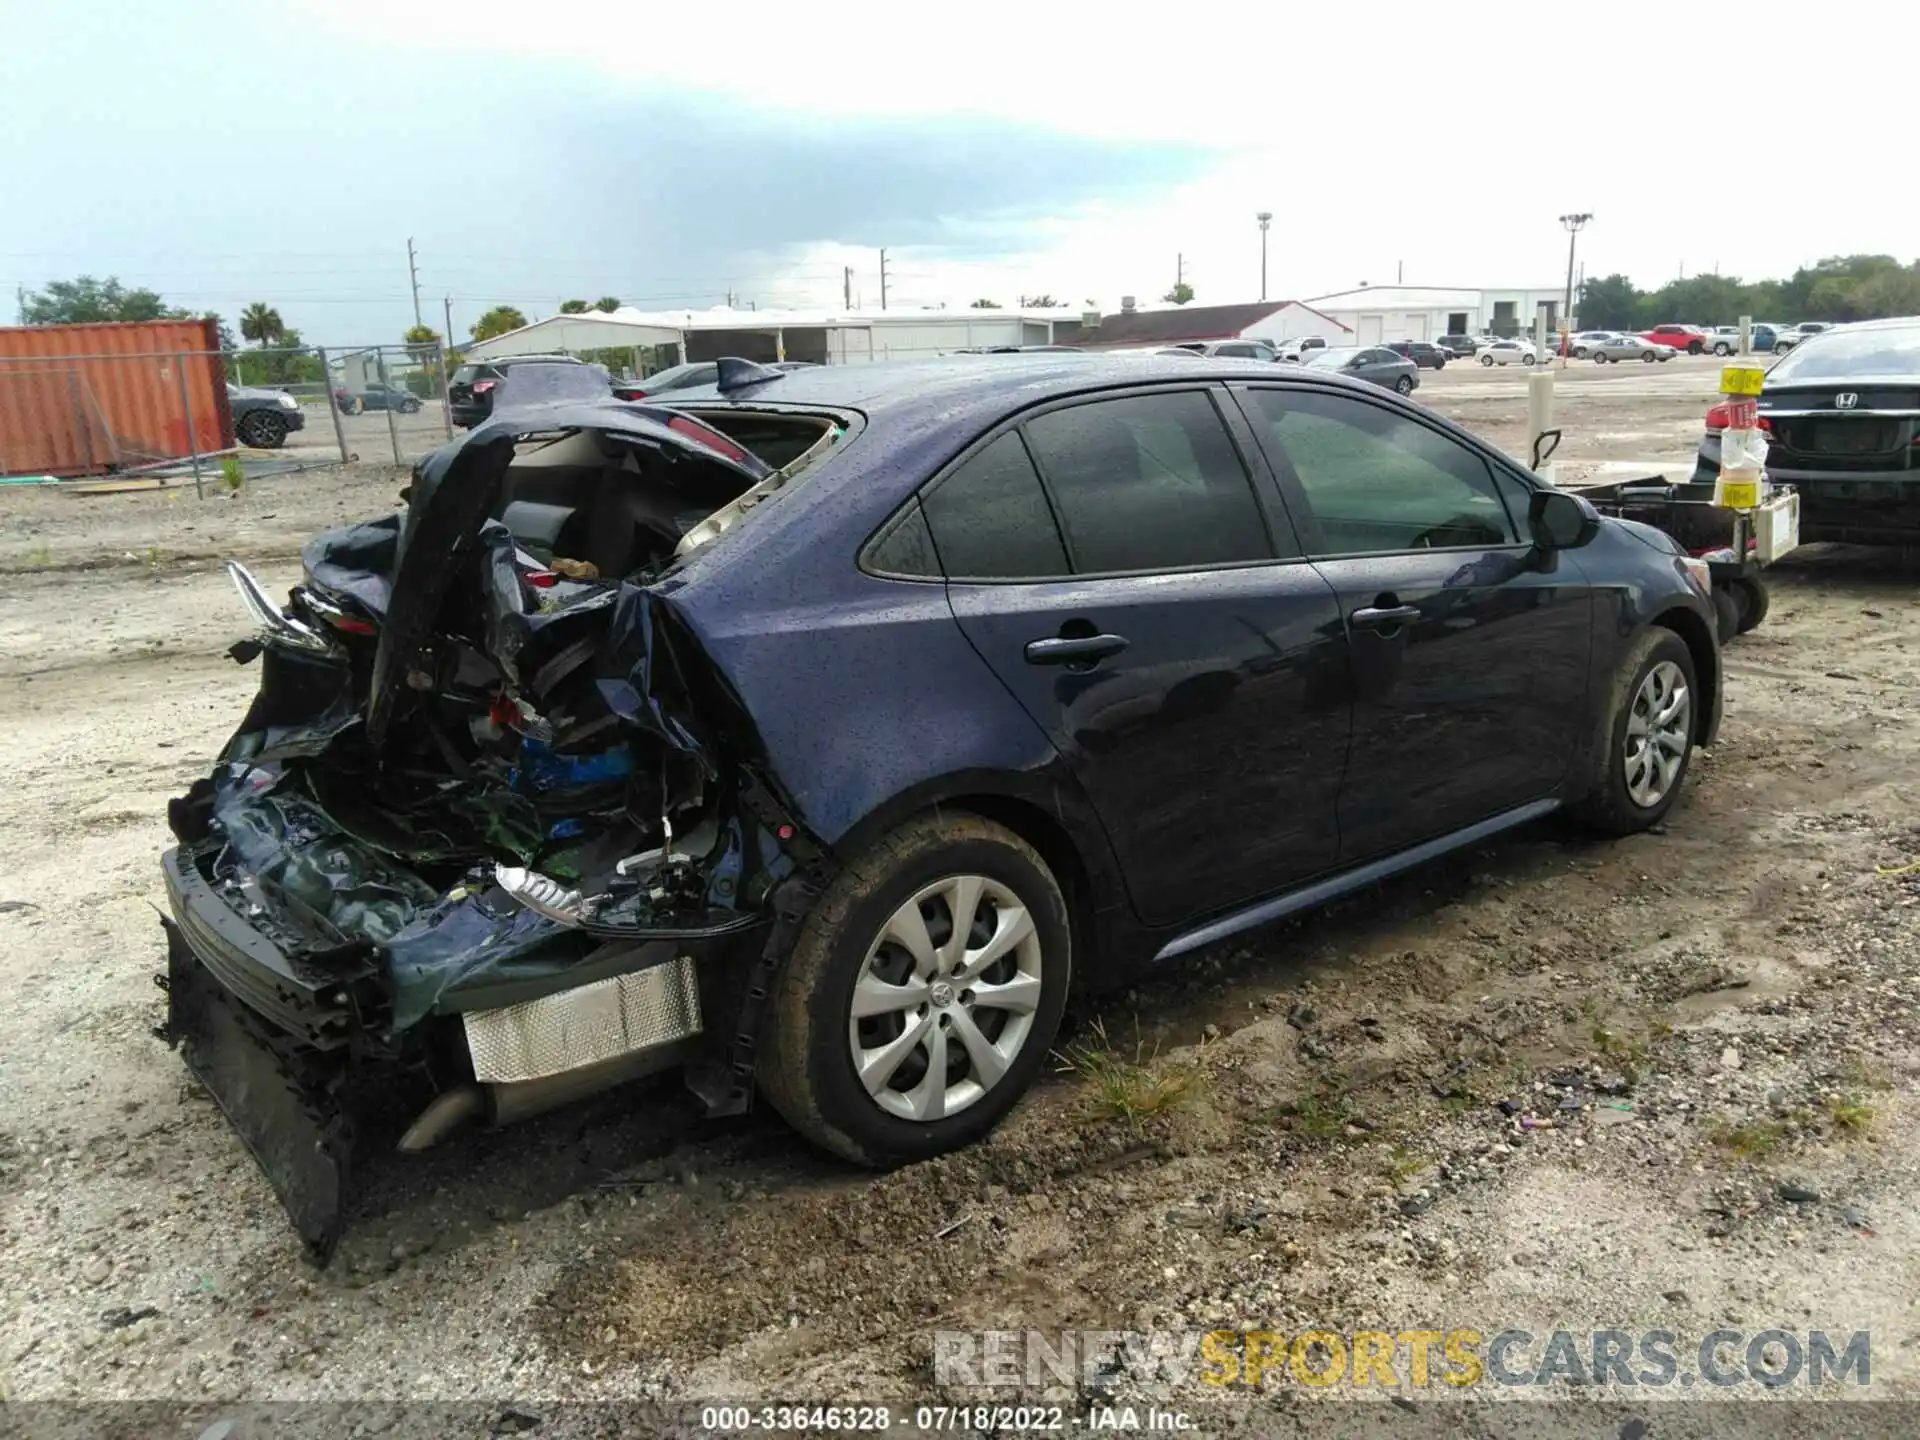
1560, 521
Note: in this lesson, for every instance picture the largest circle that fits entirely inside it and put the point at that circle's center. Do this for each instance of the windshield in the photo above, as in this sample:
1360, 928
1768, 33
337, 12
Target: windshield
1331, 359
1892, 350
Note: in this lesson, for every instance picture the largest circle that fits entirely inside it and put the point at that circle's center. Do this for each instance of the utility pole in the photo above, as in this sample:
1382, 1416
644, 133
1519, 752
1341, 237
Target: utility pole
1574, 224
846, 286
1265, 217
446, 305
1179, 269
1399, 272
413, 274
883, 279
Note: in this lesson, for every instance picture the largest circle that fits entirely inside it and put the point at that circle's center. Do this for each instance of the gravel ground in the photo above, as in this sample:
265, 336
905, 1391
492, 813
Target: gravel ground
1666, 1082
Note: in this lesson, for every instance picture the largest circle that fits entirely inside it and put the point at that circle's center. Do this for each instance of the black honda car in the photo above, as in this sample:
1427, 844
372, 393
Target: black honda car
815, 735
1842, 412
474, 386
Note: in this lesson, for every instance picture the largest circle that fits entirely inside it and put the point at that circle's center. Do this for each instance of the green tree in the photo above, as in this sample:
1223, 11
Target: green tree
286, 364
1180, 294
1042, 301
85, 300
573, 307
261, 323
1608, 303
497, 321
607, 304
985, 305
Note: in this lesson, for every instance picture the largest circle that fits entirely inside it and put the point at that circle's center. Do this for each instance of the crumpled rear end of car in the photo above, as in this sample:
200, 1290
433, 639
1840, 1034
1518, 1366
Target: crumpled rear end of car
492, 834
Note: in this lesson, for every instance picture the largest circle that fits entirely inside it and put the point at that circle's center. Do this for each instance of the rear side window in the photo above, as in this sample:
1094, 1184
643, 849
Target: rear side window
990, 519
1148, 482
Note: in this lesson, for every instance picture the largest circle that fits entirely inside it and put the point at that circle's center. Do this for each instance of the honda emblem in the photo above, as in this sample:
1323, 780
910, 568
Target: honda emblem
1845, 400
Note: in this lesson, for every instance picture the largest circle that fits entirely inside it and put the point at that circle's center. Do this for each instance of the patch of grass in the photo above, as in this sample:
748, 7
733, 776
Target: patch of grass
153, 554
1850, 1114
1402, 1165
233, 474
39, 557
1750, 1141
1861, 1076
1130, 1089
1323, 1113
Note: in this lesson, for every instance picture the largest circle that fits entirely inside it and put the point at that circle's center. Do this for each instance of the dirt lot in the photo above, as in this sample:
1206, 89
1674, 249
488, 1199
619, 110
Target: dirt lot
1668, 1082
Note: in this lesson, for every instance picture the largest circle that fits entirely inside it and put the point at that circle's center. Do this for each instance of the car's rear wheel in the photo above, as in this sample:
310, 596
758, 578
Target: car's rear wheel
1646, 737
922, 995
1404, 385
262, 430
1486, 360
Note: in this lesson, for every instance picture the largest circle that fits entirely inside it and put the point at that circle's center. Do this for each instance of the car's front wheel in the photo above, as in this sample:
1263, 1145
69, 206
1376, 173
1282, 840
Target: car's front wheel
1486, 360
1646, 736
262, 430
922, 993
1404, 385
1648, 356
1526, 359
1722, 349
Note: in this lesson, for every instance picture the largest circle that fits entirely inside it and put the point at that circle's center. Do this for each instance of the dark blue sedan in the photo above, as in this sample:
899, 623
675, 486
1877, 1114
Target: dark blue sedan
809, 735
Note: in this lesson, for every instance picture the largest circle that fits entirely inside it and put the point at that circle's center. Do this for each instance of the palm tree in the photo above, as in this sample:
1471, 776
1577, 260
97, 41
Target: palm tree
497, 321
261, 323
607, 304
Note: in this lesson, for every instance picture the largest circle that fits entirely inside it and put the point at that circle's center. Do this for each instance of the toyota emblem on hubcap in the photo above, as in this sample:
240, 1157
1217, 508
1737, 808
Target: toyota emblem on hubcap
941, 994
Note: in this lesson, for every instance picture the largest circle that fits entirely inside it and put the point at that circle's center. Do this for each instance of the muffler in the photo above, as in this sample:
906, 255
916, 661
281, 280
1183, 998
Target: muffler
534, 1056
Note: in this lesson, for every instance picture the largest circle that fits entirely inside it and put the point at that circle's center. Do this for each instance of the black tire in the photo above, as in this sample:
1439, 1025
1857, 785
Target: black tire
1753, 601
1599, 358
262, 430
806, 1068
1607, 807
1726, 614
1723, 350
1650, 357
1404, 385
1526, 360
1694, 347
1486, 360
410, 407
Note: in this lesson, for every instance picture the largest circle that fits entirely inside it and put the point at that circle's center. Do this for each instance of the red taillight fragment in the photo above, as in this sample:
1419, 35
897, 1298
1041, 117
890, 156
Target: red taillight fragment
348, 625
480, 387
706, 435
541, 579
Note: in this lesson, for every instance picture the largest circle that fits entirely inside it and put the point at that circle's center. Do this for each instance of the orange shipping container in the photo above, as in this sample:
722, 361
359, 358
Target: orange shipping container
87, 399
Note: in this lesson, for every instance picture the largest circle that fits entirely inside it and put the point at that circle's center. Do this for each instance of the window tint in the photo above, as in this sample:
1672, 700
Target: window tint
905, 547
990, 519
1376, 481
1149, 482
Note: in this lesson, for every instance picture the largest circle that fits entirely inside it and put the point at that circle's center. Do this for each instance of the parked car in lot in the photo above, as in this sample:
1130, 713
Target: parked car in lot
1683, 339
1301, 348
1794, 334
1724, 340
1583, 343
376, 396
1459, 346
1509, 352
1233, 349
1375, 364
1842, 412
470, 393
1425, 355
262, 419
550, 781
1629, 347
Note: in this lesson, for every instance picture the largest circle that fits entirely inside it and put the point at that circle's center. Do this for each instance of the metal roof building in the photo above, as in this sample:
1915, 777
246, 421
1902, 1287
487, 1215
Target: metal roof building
825, 337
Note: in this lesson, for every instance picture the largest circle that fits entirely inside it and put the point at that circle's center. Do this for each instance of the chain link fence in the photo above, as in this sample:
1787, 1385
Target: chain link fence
162, 418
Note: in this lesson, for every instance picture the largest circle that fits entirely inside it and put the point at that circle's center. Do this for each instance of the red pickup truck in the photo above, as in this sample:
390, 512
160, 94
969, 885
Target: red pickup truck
1687, 339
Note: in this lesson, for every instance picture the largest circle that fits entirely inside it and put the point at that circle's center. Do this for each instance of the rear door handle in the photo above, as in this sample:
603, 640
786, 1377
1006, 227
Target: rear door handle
1385, 617
1074, 649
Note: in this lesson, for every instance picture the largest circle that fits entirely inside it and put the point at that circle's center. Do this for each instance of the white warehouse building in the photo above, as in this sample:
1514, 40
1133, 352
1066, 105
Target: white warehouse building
1382, 314
825, 337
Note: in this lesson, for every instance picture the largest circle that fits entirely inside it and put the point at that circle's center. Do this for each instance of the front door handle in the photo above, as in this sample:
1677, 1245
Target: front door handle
1385, 617
1074, 649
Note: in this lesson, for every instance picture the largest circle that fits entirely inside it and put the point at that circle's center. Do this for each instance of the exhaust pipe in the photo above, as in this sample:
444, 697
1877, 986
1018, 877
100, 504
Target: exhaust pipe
529, 1058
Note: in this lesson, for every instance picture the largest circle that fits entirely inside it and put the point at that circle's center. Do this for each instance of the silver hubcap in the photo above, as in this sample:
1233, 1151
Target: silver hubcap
1658, 733
946, 998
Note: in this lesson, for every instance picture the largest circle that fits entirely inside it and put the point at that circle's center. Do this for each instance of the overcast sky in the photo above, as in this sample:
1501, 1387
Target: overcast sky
669, 153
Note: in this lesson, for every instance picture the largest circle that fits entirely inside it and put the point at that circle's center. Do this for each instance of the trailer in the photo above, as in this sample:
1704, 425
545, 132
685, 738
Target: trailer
1737, 545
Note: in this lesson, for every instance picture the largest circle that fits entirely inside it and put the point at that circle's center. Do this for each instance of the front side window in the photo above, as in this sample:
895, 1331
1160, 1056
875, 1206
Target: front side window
1377, 482
1148, 482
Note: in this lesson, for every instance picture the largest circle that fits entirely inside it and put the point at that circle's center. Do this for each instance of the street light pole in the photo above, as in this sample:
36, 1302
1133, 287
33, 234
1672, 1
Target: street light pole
1574, 224
1265, 217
